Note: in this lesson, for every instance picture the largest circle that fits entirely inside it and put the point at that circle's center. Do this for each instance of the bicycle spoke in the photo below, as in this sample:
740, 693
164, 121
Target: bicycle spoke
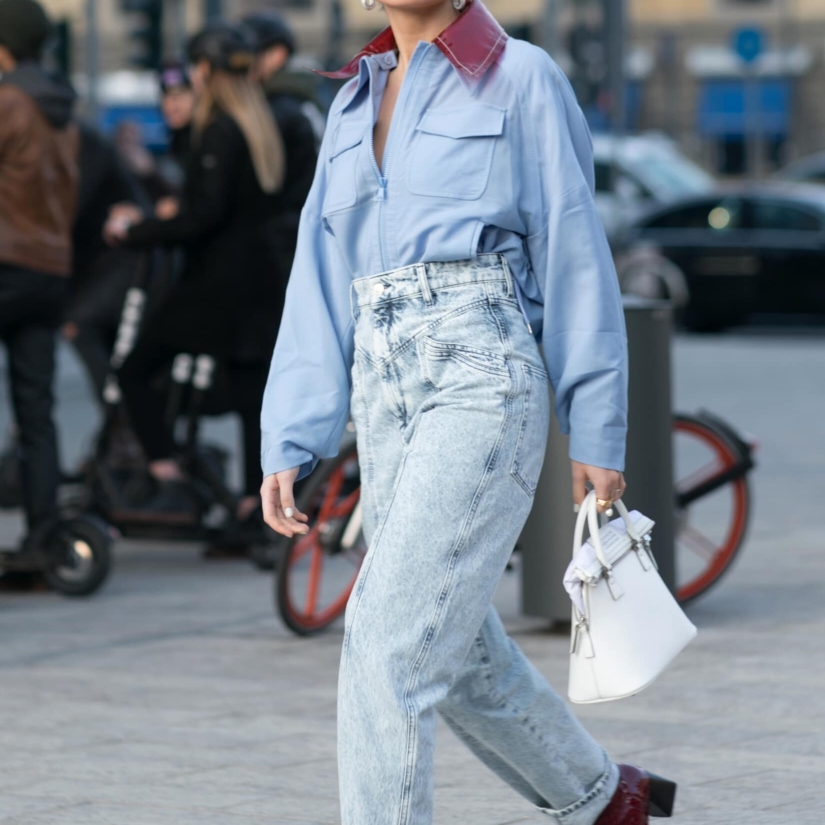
700, 544
305, 544
330, 496
699, 477
344, 507
315, 564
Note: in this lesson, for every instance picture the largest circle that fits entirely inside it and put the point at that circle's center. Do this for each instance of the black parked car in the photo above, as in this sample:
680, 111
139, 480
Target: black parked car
756, 249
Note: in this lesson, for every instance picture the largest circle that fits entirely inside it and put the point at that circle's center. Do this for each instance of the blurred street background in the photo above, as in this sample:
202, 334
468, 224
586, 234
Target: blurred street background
177, 694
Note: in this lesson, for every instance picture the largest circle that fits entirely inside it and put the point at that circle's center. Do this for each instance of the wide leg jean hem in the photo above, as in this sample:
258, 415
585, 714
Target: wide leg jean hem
586, 811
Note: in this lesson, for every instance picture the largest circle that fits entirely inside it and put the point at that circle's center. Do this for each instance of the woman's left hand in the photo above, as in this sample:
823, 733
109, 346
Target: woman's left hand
608, 484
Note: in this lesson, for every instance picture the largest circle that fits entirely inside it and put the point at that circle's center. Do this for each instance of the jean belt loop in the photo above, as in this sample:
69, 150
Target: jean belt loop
424, 283
508, 276
353, 302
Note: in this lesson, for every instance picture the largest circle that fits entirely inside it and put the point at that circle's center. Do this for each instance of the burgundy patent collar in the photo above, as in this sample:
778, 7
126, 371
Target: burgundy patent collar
472, 43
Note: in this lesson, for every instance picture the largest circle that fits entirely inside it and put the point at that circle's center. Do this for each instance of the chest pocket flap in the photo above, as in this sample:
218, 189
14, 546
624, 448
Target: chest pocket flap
452, 155
476, 120
341, 190
347, 136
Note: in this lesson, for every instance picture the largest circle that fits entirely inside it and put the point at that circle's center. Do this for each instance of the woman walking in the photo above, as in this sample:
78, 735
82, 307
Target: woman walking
450, 225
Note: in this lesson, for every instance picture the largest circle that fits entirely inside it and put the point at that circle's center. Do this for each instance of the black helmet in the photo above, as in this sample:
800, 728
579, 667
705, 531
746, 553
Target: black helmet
270, 29
223, 46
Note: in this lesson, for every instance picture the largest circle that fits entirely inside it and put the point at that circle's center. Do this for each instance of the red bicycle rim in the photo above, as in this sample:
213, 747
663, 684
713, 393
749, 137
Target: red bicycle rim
308, 615
718, 556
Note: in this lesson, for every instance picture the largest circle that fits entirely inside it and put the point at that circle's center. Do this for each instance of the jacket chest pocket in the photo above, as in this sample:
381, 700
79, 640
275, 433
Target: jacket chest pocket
452, 153
342, 166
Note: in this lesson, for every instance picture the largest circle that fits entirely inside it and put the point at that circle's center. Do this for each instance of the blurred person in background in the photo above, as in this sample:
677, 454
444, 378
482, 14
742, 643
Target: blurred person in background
229, 299
294, 113
286, 90
39, 147
128, 140
177, 105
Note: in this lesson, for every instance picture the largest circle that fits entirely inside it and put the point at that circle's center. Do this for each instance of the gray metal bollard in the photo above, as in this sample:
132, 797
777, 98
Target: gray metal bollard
547, 539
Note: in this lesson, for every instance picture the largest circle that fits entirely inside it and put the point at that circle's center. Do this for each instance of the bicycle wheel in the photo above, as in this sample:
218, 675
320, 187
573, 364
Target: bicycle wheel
318, 570
709, 531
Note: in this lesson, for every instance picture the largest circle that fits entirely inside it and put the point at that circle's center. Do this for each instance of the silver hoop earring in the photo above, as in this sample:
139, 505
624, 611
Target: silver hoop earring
459, 5
369, 5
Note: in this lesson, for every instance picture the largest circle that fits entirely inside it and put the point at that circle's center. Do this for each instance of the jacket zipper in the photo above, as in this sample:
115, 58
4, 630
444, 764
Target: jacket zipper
395, 126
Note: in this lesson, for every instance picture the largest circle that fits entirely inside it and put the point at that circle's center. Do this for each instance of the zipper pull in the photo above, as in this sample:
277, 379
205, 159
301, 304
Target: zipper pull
382, 191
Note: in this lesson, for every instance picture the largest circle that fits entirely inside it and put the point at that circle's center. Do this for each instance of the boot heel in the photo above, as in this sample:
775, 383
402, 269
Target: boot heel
662, 796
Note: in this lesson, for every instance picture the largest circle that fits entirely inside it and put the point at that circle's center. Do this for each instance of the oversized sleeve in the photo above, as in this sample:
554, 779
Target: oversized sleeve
306, 402
583, 329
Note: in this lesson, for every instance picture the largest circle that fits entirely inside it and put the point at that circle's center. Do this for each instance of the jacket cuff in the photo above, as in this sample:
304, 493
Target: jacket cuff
279, 457
594, 447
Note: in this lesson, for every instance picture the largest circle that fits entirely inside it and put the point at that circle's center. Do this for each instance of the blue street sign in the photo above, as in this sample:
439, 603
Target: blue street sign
749, 43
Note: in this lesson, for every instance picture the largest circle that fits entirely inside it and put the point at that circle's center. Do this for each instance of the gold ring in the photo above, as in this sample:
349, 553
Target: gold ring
604, 502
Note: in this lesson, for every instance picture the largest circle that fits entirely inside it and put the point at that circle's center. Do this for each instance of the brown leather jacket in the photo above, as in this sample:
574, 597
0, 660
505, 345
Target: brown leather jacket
38, 179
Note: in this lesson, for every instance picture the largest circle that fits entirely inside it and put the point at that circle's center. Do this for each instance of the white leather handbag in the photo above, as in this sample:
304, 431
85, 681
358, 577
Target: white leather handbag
631, 628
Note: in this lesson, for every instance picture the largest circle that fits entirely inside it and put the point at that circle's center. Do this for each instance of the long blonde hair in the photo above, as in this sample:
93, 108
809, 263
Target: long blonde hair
243, 100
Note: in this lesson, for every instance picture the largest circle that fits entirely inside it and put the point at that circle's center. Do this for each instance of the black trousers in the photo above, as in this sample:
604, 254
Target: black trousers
147, 407
31, 304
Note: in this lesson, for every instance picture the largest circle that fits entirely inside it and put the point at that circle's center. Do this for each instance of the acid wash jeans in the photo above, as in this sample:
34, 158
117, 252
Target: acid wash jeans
451, 407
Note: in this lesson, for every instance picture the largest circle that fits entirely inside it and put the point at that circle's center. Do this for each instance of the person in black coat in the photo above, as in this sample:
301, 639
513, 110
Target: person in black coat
234, 222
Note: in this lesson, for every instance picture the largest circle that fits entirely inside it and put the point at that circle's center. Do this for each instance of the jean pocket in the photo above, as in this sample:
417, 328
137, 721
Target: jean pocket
532, 433
341, 190
452, 156
438, 354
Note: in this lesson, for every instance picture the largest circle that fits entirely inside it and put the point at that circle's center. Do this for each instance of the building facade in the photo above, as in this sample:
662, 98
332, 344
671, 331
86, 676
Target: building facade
717, 104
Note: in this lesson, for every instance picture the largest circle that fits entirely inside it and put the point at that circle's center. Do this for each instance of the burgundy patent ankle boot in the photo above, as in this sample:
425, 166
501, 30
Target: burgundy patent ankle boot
640, 794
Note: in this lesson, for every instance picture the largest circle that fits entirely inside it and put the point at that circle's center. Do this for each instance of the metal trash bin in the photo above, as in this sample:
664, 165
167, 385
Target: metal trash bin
547, 539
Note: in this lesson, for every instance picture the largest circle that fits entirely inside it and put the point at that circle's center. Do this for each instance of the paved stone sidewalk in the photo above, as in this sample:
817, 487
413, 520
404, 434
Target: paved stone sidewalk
175, 696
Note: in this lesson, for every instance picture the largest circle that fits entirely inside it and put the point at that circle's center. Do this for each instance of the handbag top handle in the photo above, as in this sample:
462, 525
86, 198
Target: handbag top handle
589, 511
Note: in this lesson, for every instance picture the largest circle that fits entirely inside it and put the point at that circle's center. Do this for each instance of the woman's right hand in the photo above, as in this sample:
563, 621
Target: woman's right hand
278, 502
121, 217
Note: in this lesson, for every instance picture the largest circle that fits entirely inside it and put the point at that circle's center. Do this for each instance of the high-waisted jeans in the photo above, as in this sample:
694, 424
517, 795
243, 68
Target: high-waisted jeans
451, 407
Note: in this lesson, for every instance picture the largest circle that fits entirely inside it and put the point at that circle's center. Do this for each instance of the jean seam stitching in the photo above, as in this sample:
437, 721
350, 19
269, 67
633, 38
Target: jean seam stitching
368, 442
455, 313
368, 564
406, 785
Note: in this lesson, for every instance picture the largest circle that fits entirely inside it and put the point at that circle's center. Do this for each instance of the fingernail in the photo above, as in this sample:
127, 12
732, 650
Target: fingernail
289, 512
576, 508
